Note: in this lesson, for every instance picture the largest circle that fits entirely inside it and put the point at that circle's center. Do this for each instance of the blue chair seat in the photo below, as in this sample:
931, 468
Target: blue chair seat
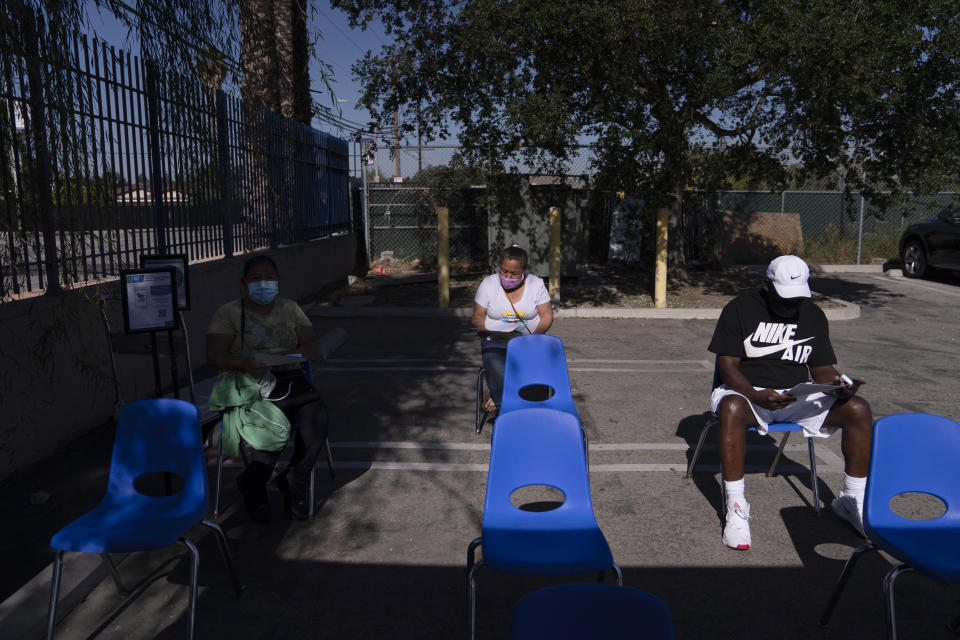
578, 611
540, 447
537, 359
912, 453
138, 522
153, 436
532, 447
546, 552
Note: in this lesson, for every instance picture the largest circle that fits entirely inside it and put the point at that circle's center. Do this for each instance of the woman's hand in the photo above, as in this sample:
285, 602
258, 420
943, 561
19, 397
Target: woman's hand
545, 311
479, 320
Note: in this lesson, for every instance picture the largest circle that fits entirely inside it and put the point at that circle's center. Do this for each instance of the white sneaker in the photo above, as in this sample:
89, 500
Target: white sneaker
846, 507
736, 532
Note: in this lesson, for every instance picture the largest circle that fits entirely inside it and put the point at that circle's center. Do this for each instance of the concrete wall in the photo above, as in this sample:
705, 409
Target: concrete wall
56, 380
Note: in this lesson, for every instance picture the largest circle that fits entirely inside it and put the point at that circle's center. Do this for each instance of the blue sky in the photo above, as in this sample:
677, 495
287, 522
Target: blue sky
340, 47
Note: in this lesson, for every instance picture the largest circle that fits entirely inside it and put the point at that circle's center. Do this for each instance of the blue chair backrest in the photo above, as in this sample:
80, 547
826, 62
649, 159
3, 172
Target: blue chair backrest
539, 447
161, 434
536, 360
916, 452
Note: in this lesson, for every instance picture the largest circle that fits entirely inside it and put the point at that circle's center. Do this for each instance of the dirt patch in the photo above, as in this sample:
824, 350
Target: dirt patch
609, 285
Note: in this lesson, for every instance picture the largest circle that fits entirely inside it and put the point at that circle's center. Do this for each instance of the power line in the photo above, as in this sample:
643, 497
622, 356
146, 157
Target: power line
337, 27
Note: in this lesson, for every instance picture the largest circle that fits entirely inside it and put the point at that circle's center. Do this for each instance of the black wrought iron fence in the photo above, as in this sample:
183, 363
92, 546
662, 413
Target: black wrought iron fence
104, 157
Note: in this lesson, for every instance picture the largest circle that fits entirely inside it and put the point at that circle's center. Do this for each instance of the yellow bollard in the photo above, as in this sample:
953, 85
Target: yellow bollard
443, 256
660, 276
555, 255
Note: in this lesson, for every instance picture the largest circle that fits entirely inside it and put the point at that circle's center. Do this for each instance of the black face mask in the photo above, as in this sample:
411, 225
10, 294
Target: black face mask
785, 308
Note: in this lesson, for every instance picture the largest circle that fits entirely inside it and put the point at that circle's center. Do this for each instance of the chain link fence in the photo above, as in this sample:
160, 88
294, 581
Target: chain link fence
733, 227
820, 226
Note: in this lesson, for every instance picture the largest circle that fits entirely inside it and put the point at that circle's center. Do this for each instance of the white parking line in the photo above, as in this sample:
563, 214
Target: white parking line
623, 446
829, 461
367, 365
381, 465
952, 291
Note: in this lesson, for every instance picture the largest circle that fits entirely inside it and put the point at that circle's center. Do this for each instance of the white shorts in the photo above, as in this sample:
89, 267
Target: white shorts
809, 412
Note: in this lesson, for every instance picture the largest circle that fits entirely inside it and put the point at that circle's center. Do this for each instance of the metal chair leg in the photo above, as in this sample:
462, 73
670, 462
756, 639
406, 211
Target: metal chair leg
472, 595
326, 445
776, 458
696, 452
619, 574
216, 495
586, 446
842, 582
107, 560
225, 554
471, 551
194, 570
311, 490
54, 593
814, 479
888, 581
482, 414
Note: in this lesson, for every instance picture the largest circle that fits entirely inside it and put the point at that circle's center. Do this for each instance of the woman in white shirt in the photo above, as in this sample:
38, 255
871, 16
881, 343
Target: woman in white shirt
508, 304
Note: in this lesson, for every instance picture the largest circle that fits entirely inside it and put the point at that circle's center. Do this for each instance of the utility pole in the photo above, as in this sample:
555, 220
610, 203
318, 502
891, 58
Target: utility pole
398, 177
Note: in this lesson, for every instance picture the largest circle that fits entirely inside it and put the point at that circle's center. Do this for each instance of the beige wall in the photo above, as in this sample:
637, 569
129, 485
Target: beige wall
56, 379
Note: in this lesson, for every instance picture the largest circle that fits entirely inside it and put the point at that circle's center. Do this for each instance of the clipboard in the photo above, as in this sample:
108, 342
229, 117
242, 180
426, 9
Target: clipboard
278, 359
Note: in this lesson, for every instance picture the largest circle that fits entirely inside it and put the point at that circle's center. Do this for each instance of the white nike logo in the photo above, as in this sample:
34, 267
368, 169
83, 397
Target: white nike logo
759, 352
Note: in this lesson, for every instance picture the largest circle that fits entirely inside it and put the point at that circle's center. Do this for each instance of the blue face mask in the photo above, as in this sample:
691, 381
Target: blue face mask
263, 291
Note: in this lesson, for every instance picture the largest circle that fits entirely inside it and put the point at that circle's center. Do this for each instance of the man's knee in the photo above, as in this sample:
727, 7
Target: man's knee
856, 412
734, 410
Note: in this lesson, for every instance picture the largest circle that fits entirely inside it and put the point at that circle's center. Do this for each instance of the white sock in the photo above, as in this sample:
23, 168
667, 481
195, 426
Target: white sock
855, 487
733, 492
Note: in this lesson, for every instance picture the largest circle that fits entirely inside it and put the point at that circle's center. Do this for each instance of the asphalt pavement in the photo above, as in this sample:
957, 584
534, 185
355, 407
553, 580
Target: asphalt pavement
386, 554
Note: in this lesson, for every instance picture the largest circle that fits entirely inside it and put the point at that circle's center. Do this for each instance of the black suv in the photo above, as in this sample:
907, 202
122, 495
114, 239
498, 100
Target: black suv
932, 243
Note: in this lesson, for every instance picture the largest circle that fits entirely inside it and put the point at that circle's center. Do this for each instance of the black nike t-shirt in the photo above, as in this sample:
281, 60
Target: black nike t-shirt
774, 353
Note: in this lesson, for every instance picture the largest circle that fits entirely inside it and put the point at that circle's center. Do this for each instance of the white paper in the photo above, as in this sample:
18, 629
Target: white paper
806, 388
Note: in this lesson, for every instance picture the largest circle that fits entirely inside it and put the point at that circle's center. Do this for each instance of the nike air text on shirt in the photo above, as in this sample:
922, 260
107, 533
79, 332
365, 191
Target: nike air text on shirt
779, 336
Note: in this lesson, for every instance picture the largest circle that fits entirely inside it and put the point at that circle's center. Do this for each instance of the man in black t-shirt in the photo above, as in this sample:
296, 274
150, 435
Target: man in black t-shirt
766, 342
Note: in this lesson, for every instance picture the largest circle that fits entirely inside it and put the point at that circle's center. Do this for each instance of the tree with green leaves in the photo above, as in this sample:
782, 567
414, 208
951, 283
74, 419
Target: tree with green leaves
867, 91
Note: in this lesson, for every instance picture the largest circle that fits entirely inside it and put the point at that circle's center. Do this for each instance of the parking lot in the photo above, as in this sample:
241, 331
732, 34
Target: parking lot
386, 554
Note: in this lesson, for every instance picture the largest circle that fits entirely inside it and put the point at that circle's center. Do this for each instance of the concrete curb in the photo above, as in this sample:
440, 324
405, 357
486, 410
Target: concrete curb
847, 311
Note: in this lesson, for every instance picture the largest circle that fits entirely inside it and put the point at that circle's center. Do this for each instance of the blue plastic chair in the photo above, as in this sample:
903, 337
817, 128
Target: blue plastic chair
912, 452
578, 611
536, 359
786, 428
308, 370
159, 435
538, 447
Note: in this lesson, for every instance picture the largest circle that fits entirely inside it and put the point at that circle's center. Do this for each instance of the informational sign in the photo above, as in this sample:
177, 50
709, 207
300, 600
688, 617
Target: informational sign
368, 149
149, 303
178, 262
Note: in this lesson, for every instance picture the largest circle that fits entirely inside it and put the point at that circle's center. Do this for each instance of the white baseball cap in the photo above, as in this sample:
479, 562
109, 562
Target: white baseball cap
789, 275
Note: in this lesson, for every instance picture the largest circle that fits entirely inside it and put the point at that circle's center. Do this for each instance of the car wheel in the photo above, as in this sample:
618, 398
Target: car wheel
914, 260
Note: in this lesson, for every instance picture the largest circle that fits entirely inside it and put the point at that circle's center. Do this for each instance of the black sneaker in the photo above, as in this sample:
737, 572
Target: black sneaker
254, 498
294, 496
